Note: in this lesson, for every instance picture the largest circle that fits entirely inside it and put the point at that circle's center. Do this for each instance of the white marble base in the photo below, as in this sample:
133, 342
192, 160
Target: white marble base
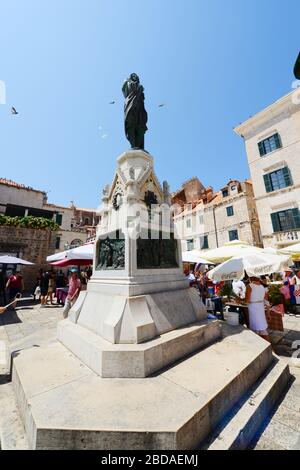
121, 319
136, 360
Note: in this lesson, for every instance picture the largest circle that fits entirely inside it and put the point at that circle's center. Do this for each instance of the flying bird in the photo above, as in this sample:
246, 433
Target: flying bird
14, 111
112, 102
161, 105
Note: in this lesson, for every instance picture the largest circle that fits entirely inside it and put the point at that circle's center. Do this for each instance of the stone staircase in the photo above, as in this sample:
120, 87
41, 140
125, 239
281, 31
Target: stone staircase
216, 398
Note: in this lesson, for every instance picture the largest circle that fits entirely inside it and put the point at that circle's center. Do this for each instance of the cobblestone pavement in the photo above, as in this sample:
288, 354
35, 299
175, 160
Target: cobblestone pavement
283, 430
32, 326
29, 325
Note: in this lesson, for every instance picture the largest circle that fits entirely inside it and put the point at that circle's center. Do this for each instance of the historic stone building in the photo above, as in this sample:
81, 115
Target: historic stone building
76, 226
272, 139
30, 244
205, 219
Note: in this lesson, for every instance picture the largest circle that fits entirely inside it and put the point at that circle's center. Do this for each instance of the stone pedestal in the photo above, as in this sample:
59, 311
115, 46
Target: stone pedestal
138, 291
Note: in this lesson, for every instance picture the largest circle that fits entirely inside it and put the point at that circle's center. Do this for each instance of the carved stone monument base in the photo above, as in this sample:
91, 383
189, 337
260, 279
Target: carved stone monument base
138, 291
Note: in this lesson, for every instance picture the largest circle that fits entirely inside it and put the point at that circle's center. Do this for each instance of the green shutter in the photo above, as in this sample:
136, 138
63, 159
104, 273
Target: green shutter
261, 149
268, 183
277, 141
296, 218
275, 223
59, 219
287, 176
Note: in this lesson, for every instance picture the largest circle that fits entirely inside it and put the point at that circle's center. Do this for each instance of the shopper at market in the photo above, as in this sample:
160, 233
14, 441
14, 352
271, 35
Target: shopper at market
15, 284
73, 293
44, 283
2, 287
255, 299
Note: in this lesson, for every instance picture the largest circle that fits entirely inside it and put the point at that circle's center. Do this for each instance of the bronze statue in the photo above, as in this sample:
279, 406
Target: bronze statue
135, 114
297, 68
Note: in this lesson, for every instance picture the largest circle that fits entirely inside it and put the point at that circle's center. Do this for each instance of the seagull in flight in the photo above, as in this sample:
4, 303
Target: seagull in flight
112, 102
14, 111
161, 105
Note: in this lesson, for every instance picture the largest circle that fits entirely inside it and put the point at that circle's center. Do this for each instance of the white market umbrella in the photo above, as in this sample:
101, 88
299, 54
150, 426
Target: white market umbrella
85, 252
194, 257
230, 250
56, 257
13, 260
293, 250
253, 264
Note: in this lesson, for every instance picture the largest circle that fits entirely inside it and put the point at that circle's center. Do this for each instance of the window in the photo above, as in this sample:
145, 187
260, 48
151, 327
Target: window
233, 188
58, 219
190, 245
188, 223
269, 145
230, 211
204, 242
225, 193
76, 243
201, 219
233, 235
278, 179
284, 221
57, 243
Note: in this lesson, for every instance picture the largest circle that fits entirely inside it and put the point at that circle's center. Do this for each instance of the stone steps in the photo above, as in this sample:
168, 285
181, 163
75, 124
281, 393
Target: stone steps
12, 432
65, 405
240, 427
136, 360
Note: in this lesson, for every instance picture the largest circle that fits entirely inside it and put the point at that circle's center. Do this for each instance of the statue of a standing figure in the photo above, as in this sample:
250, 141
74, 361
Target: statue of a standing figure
297, 68
135, 114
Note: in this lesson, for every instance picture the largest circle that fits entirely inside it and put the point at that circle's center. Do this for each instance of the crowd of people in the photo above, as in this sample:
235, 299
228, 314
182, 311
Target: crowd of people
46, 286
252, 293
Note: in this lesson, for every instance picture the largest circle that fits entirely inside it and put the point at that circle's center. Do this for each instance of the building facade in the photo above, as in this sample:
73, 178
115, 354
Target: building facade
76, 225
272, 140
205, 219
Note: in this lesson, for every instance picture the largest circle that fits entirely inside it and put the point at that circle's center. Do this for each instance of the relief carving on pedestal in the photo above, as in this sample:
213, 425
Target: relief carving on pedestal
110, 254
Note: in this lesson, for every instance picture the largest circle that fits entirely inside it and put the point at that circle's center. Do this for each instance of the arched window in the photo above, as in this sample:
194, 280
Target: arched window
75, 243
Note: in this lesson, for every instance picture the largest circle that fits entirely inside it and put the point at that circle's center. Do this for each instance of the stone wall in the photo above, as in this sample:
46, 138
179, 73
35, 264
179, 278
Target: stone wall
30, 244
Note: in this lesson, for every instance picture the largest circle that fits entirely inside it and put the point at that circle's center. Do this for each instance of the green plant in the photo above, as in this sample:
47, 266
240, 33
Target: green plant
29, 221
226, 290
274, 294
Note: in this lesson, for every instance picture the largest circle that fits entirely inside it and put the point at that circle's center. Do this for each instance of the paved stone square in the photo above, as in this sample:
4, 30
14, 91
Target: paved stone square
31, 326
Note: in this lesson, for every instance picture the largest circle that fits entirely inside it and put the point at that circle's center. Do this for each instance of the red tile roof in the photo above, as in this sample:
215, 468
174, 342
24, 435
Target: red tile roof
17, 185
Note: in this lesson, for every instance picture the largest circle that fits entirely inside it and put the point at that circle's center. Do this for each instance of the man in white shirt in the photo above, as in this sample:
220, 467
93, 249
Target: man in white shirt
239, 289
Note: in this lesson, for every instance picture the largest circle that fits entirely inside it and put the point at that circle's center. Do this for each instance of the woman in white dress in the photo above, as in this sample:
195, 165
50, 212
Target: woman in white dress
255, 298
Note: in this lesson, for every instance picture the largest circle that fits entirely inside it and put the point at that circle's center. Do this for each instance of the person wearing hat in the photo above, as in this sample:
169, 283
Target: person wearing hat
73, 292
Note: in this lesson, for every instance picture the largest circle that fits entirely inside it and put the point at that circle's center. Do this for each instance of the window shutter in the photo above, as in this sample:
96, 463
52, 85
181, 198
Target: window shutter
287, 176
275, 223
277, 139
268, 183
261, 149
59, 219
296, 218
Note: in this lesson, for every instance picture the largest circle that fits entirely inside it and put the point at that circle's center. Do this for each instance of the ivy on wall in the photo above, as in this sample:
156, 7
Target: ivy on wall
29, 222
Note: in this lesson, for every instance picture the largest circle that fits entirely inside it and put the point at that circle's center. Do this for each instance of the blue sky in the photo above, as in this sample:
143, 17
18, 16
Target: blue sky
214, 63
